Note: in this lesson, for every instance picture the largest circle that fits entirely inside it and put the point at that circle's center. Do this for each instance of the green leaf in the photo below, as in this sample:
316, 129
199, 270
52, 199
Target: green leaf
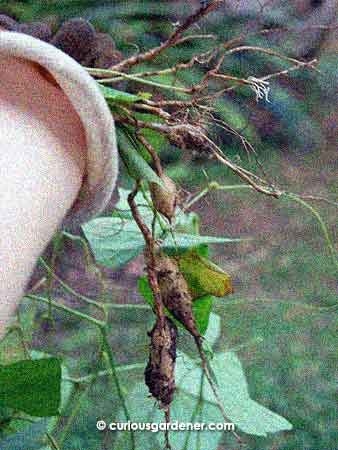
203, 276
137, 167
246, 413
32, 437
114, 241
66, 386
32, 386
188, 223
201, 308
11, 347
182, 240
156, 139
23, 435
114, 96
117, 240
145, 290
143, 409
182, 410
214, 329
122, 208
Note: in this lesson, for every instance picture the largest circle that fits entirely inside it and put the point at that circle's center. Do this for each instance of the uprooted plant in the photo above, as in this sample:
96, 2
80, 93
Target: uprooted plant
183, 115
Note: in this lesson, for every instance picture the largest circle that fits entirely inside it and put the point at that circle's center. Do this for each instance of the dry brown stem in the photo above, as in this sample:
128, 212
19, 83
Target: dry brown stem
173, 39
152, 152
149, 253
204, 363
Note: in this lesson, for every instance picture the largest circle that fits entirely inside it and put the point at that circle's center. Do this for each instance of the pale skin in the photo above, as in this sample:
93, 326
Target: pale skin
42, 163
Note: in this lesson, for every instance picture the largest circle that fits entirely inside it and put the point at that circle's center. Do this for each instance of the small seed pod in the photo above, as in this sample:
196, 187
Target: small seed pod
175, 292
164, 200
160, 371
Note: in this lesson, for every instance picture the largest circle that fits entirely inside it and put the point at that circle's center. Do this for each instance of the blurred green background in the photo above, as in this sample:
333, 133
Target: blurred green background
280, 320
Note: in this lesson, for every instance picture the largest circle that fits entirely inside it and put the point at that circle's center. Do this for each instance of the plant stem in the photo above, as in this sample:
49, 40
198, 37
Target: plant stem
196, 412
126, 306
260, 301
213, 385
332, 250
67, 288
112, 366
64, 308
214, 186
104, 373
53, 442
83, 243
120, 76
103, 330
71, 417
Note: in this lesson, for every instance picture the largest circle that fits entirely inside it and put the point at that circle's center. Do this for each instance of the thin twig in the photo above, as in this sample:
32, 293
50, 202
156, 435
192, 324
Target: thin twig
155, 110
173, 39
121, 76
136, 215
267, 51
68, 289
203, 58
66, 309
317, 198
152, 152
194, 37
53, 442
149, 255
37, 285
166, 433
103, 373
112, 365
266, 32
212, 384
241, 173
325, 231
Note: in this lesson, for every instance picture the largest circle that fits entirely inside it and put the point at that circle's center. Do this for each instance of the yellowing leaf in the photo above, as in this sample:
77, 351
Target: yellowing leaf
203, 276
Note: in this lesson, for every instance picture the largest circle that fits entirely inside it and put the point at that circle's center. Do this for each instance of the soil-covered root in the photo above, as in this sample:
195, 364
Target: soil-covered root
175, 292
160, 370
